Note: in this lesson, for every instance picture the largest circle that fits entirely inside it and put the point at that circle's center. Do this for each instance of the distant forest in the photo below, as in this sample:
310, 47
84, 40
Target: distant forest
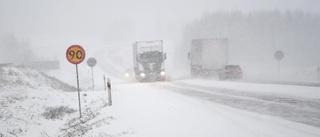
255, 36
13, 50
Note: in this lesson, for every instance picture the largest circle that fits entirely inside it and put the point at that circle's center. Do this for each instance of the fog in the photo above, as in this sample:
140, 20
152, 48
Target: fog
256, 36
45, 29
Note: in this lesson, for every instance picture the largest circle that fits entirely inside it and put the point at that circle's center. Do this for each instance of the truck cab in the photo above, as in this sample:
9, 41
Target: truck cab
149, 61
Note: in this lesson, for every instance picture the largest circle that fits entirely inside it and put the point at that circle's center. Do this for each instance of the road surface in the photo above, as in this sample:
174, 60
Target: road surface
301, 110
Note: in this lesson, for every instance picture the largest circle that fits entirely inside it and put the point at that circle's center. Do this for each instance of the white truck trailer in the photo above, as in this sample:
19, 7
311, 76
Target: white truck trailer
148, 60
208, 56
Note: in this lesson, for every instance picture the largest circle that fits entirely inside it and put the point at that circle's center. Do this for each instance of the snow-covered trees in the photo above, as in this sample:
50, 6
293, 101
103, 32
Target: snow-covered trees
15, 51
256, 35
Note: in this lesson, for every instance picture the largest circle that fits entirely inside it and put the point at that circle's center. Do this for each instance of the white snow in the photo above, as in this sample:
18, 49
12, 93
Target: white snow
271, 89
33, 104
138, 109
144, 110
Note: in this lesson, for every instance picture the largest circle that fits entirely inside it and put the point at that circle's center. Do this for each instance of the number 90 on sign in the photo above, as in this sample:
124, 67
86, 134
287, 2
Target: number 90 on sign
75, 54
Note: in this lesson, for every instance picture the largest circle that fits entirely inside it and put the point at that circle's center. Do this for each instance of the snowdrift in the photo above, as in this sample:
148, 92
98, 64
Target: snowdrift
25, 78
35, 104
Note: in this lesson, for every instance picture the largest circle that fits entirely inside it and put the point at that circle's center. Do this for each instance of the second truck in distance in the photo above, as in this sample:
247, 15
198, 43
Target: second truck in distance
148, 60
208, 56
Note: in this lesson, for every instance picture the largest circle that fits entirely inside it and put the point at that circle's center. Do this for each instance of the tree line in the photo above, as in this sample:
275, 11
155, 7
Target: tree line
15, 51
254, 33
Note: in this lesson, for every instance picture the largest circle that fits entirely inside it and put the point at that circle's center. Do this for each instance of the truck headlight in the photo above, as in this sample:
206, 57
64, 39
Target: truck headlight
126, 74
162, 73
142, 74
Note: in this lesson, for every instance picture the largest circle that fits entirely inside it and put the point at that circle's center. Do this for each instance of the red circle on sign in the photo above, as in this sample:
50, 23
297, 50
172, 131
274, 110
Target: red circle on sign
75, 54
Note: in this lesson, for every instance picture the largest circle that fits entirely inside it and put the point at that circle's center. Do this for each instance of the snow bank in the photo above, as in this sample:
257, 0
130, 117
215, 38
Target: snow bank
25, 78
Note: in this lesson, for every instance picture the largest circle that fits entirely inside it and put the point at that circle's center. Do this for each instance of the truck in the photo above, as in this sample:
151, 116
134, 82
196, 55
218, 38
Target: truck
208, 56
148, 60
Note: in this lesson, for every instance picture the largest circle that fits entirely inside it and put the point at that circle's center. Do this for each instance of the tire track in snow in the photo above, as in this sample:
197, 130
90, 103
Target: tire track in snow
305, 111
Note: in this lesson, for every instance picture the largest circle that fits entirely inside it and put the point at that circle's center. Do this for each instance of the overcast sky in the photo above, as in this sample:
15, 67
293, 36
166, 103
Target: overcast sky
44, 21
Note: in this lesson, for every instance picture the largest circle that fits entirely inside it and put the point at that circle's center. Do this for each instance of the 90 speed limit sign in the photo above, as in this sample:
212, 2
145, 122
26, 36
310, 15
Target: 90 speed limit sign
75, 54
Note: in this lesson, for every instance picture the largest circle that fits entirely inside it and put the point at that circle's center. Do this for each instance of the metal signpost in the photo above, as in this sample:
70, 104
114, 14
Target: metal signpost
279, 56
318, 73
92, 62
75, 54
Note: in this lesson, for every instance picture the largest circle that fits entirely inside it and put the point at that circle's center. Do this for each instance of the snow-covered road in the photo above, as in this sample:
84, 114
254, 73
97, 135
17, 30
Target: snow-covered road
181, 109
299, 109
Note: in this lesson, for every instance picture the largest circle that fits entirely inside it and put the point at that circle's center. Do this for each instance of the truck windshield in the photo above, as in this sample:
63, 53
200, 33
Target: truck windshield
149, 57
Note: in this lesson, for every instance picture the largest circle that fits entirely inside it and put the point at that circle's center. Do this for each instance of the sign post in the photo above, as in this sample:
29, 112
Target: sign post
279, 56
318, 73
92, 62
75, 54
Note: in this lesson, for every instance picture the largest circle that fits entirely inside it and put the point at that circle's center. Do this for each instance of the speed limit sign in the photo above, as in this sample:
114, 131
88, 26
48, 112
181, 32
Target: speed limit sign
75, 54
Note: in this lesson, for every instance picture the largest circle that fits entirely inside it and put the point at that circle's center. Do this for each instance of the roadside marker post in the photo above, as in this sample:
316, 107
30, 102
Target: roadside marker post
76, 54
109, 89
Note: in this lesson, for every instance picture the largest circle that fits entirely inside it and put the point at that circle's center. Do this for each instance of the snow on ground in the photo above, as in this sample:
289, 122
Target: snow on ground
138, 109
141, 110
271, 89
35, 105
26, 78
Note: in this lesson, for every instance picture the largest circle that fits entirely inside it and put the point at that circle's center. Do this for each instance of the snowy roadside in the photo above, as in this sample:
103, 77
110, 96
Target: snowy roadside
34, 104
21, 112
137, 110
